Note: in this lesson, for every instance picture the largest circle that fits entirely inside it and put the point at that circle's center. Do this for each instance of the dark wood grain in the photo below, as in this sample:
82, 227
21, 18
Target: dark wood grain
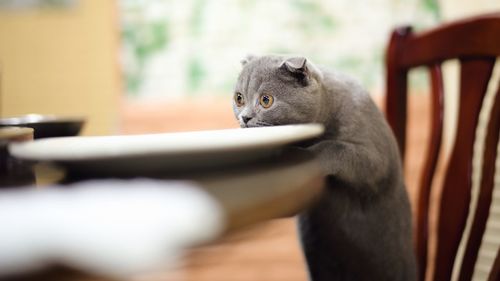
472, 37
397, 85
434, 144
485, 192
455, 198
476, 43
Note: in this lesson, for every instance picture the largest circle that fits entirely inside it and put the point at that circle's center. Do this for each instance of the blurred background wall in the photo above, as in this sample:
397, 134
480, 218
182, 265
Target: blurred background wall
198, 44
135, 66
61, 58
180, 59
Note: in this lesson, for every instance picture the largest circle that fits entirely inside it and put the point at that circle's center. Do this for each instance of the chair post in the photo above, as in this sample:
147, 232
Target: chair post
395, 106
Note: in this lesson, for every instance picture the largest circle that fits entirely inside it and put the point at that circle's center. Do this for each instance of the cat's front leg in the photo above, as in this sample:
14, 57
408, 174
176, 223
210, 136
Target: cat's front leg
359, 165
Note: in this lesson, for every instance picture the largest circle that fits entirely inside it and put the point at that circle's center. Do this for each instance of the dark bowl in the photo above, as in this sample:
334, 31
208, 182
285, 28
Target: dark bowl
46, 126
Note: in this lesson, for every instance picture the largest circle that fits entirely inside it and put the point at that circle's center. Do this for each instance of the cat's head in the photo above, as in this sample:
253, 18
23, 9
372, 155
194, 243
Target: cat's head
277, 90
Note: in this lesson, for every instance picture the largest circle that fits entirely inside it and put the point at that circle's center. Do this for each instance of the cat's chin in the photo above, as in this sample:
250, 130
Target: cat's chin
257, 125
249, 126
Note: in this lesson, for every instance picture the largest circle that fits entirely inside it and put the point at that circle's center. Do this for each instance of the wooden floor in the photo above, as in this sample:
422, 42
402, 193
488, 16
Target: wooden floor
266, 252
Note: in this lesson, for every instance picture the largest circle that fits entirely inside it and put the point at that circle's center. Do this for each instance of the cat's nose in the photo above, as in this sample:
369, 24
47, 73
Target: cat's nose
246, 119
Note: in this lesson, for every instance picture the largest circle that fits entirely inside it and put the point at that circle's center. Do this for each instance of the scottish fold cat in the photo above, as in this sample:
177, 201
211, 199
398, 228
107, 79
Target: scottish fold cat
360, 228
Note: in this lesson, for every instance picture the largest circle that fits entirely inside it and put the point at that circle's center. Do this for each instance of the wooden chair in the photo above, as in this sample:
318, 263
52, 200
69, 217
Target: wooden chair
475, 42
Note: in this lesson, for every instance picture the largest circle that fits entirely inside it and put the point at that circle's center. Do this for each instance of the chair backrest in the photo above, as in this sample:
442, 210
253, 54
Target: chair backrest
475, 42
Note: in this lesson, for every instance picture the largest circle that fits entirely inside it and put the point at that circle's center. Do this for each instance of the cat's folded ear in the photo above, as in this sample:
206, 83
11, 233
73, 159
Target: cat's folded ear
299, 68
248, 58
296, 64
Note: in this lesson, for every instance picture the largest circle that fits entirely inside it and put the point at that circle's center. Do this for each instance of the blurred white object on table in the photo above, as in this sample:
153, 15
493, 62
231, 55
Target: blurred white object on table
108, 227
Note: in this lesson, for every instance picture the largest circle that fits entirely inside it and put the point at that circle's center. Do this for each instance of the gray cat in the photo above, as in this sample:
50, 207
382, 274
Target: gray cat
360, 229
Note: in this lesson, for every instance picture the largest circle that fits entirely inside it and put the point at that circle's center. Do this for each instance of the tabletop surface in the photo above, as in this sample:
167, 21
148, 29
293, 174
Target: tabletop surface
279, 186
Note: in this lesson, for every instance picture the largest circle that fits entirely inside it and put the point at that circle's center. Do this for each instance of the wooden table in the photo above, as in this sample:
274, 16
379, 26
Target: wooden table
282, 185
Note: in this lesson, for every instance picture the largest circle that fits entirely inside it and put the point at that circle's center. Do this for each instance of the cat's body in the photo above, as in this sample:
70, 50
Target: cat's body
360, 229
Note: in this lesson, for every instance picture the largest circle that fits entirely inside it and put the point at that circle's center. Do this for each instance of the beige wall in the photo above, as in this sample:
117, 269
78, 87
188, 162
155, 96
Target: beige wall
454, 9
62, 61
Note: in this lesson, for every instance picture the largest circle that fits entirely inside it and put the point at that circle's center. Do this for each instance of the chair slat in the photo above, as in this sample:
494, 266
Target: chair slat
475, 74
495, 271
422, 220
485, 192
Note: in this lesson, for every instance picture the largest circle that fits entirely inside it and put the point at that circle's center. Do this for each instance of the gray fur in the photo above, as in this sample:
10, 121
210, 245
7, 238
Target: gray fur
360, 229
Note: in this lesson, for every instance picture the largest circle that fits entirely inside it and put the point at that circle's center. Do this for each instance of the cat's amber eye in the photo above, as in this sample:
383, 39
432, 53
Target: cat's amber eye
266, 100
239, 99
